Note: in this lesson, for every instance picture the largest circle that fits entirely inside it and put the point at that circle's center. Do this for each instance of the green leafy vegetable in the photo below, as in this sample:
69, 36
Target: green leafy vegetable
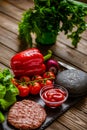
2, 91
48, 17
2, 118
8, 92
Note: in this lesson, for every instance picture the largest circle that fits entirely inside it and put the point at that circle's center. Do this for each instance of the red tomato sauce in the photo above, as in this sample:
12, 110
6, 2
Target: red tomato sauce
54, 96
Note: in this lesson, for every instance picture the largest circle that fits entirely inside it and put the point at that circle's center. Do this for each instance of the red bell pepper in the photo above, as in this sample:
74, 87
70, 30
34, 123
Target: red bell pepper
28, 58
30, 72
29, 62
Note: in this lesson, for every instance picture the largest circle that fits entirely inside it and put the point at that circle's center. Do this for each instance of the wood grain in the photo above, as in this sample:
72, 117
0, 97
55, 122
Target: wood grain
10, 15
22, 4
73, 123
8, 23
5, 56
11, 10
71, 55
82, 45
2, 66
9, 39
67, 55
57, 125
82, 106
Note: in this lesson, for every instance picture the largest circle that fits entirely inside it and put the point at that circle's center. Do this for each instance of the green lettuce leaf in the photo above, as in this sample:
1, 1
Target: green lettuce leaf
8, 92
2, 91
2, 118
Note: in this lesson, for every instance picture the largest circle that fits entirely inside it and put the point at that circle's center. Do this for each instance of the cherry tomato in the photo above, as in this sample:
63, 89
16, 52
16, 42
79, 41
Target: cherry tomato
49, 82
14, 81
49, 75
24, 79
23, 90
35, 88
37, 77
46, 82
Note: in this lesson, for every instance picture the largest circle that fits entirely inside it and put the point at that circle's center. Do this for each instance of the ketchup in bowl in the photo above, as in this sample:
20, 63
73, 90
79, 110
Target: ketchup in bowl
53, 96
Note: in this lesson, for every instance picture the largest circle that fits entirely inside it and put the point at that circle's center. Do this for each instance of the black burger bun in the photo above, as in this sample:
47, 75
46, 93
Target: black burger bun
75, 81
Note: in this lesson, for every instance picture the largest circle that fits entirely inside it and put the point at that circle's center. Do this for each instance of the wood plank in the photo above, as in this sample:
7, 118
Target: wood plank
72, 121
11, 10
5, 56
15, 12
2, 66
82, 45
60, 52
57, 126
76, 117
11, 40
71, 55
82, 106
84, 35
22, 4
9, 23
63, 61
80, 114
62, 39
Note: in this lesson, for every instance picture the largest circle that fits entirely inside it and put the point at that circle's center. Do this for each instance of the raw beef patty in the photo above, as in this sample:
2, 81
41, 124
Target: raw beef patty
26, 114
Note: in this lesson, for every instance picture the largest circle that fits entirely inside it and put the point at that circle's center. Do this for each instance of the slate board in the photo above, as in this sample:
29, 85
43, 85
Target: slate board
52, 114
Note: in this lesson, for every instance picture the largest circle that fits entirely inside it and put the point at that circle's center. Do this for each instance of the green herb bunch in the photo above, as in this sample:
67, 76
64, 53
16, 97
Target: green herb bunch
49, 17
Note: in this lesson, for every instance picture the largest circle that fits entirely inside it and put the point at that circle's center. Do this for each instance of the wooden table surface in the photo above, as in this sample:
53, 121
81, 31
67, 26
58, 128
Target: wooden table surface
10, 15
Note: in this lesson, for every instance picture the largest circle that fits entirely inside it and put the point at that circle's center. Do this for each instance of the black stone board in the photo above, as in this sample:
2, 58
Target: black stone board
52, 113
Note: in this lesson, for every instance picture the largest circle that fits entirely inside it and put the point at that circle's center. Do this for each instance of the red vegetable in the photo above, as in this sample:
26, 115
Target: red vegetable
52, 65
28, 62
14, 81
37, 77
24, 79
24, 90
35, 88
46, 82
49, 74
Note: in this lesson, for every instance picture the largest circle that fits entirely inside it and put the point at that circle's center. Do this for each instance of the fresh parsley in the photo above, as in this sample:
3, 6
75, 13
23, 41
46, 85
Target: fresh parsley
49, 17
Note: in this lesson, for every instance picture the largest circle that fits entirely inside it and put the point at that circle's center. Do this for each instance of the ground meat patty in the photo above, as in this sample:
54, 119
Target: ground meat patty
26, 115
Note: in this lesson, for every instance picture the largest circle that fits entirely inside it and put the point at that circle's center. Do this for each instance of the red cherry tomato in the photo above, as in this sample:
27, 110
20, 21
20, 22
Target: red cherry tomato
35, 88
23, 90
24, 79
49, 82
14, 81
49, 75
37, 77
46, 82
